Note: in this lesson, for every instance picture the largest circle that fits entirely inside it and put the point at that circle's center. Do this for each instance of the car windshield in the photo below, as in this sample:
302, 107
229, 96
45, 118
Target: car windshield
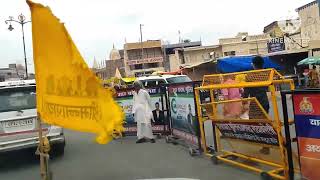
179, 79
15, 99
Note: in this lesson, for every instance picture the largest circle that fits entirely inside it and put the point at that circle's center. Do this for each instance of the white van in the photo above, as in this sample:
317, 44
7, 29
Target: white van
18, 119
155, 80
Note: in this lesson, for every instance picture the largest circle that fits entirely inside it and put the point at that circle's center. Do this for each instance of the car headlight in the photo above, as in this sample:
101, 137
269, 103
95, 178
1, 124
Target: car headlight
55, 130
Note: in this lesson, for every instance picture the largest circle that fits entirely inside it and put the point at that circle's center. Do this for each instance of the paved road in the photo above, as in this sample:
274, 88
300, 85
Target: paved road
119, 160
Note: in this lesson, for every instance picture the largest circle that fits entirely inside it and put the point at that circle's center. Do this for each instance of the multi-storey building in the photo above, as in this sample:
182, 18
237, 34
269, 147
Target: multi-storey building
244, 44
143, 58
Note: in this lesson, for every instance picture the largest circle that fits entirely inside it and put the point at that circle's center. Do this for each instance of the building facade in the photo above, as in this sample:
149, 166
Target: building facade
282, 40
192, 56
310, 27
184, 55
244, 44
174, 54
297, 35
143, 58
196, 55
12, 72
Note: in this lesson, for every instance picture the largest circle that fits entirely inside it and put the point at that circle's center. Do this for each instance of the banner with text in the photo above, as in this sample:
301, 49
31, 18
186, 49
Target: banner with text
307, 123
259, 133
183, 113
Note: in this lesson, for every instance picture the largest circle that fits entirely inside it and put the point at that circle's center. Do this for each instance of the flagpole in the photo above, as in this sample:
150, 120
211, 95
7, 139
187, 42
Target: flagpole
40, 152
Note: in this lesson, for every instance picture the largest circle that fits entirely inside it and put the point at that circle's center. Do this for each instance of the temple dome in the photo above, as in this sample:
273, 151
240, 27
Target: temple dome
114, 54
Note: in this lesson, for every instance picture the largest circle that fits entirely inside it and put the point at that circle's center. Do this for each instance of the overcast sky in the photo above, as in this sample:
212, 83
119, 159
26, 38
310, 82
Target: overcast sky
95, 25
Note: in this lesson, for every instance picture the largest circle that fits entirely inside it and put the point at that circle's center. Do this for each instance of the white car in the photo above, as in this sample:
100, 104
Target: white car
154, 80
18, 119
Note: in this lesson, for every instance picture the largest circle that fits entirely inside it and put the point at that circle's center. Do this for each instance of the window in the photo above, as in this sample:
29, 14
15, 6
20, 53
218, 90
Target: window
138, 66
151, 83
18, 99
179, 79
153, 65
161, 82
230, 53
134, 54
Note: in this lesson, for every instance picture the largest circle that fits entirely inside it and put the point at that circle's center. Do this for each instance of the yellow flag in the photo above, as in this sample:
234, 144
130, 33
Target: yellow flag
68, 92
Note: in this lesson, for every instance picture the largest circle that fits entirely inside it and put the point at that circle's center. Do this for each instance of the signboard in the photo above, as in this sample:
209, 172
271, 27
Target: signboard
307, 123
183, 113
276, 44
262, 133
145, 60
125, 100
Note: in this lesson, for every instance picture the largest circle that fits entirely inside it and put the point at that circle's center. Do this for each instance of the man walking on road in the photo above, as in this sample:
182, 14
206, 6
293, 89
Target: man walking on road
260, 93
142, 113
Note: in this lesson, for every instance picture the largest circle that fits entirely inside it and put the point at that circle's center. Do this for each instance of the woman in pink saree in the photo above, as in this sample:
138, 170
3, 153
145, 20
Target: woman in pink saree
233, 109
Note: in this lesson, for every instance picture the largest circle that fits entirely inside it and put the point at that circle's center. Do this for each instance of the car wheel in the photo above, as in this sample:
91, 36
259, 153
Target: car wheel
57, 150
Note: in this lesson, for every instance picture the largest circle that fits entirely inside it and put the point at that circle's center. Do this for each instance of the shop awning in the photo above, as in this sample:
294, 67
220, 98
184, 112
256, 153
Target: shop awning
310, 60
242, 63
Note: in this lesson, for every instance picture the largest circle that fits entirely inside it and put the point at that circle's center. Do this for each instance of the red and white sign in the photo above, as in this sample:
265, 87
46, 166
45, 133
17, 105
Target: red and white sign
145, 61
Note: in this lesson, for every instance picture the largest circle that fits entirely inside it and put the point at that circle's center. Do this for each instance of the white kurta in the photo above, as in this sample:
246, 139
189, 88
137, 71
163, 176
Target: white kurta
142, 114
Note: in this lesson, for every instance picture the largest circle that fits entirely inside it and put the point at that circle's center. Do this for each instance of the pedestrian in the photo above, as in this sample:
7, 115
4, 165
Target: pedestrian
306, 77
260, 93
232, 109
314, 77
142, 113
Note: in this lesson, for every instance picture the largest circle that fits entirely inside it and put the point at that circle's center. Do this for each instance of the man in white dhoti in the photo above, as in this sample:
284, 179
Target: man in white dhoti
142, 113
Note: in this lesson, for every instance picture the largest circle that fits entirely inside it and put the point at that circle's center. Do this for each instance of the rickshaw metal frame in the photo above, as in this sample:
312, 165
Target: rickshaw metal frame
276, 123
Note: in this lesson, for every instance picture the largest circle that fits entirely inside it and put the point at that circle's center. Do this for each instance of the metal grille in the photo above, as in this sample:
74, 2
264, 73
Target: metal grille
249, 76
242, 109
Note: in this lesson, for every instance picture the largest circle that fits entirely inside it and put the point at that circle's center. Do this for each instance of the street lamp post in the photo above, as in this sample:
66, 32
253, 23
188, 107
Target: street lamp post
22, 21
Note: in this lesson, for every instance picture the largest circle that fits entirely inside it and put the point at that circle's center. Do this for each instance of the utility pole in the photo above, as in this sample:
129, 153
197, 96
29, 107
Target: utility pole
141, 41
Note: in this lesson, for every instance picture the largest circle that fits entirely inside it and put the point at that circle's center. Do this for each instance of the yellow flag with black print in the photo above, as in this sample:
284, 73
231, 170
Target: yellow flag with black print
68, 92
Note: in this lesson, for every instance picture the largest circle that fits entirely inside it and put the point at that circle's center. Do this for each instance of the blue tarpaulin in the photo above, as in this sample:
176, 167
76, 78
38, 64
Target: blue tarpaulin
242, 63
